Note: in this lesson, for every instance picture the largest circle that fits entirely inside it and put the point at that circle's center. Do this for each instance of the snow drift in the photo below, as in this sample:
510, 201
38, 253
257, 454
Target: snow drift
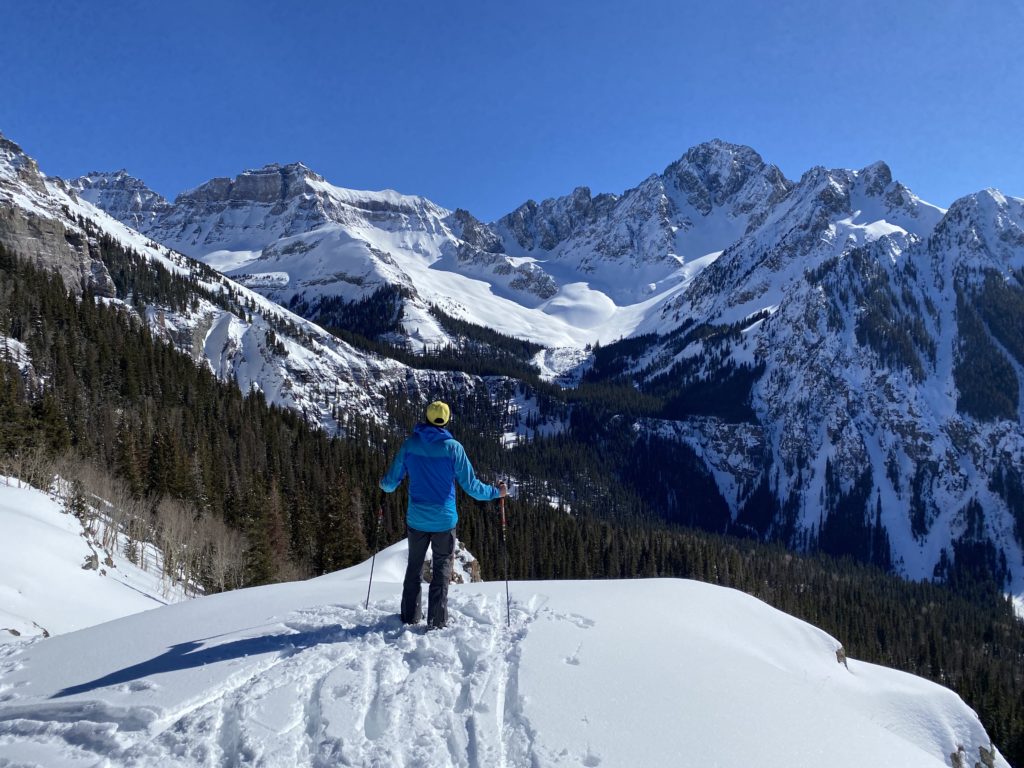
615, 673
57, 578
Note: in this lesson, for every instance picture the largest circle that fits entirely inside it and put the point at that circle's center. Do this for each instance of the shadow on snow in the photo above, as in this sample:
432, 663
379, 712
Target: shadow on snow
192, 654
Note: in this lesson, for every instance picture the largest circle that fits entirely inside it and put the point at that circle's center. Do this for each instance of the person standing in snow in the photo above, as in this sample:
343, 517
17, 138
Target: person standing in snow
433, 460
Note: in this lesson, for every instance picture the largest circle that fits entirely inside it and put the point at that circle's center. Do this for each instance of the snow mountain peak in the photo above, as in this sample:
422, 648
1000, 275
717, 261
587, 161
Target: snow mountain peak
15, 165
273, 183
984, 230
122, 195
712, 173
878, 173
988, 202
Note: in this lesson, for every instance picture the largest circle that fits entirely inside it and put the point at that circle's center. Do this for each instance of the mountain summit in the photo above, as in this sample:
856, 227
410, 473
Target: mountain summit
270, 184
123, 196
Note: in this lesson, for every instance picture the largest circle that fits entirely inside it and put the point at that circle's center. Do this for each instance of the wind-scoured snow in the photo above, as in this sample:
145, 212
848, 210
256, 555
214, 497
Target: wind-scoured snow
613, 673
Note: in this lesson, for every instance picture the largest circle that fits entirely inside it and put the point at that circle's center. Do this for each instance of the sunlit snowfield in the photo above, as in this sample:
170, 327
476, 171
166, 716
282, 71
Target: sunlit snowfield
610, 673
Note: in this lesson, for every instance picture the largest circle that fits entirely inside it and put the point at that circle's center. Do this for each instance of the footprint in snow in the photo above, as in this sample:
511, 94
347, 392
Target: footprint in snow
574, 618
581, 621
574, 659
137, 686
476, 609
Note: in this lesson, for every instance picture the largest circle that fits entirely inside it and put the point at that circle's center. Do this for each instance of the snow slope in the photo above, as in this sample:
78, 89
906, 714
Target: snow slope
44, 588
566, 272
307, 370
616, 673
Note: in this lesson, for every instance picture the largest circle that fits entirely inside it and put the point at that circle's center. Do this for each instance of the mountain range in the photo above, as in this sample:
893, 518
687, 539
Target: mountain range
873, 341
842, 358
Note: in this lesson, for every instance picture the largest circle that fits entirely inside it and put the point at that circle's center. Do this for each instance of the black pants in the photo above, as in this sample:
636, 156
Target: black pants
442, 545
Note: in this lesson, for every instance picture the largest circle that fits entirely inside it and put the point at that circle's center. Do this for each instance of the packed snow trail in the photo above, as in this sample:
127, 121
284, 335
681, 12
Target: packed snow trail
603, 673
355, 687
332, 685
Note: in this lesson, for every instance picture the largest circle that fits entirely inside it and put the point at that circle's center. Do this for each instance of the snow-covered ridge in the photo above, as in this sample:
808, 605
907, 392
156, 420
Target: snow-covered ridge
330, 241
300, 674
566, 272
293, 362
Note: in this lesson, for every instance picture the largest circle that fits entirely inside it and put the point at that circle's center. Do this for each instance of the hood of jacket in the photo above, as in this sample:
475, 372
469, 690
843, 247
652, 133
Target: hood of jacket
428, 433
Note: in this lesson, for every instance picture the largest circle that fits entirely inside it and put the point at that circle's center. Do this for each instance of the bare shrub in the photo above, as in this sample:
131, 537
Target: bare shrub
198, 551
225, 556
33, 467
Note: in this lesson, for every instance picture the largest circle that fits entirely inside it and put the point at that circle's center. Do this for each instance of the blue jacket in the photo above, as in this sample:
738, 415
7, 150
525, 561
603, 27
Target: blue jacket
433, 460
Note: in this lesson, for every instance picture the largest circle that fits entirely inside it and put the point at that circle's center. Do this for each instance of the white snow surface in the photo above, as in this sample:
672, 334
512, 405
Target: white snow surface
605, 673
43, 587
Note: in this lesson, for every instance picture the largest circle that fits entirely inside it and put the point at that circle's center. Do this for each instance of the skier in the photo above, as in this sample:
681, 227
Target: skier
433, 460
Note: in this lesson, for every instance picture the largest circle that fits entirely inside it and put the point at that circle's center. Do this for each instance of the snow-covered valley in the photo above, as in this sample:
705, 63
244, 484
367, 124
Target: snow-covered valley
723, 303
615, 674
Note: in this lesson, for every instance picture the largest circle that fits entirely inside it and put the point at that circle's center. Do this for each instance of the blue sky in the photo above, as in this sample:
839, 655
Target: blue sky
486, 104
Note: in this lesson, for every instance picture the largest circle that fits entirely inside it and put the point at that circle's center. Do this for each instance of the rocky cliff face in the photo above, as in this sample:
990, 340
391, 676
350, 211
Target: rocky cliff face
269, 185
718, 174
34, 222
122, 196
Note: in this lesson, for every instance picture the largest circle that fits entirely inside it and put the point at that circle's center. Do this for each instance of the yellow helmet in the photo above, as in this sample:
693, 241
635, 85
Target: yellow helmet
438, 413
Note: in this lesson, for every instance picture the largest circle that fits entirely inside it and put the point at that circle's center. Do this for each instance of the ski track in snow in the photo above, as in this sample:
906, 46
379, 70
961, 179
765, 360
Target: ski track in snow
587, 674
348, 687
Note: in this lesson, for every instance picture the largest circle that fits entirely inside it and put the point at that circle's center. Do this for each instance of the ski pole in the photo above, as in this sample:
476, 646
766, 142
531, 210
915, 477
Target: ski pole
504, 549
373, 560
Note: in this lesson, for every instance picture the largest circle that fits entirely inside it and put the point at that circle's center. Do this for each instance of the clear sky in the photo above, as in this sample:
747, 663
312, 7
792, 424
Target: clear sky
485, 104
